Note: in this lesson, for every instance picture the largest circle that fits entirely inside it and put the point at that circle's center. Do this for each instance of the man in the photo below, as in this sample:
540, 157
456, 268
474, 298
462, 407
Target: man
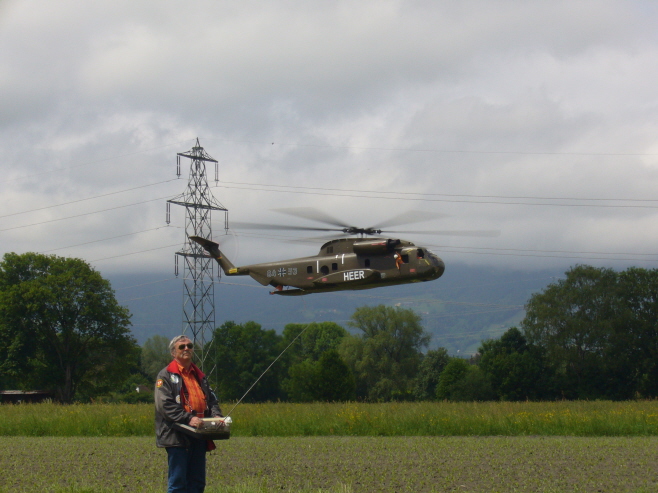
183, 396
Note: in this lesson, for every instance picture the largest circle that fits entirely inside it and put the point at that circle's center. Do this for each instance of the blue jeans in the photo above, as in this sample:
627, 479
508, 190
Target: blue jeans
187, 468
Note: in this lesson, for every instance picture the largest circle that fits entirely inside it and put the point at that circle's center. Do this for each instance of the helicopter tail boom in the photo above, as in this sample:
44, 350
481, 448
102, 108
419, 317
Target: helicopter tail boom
213, 249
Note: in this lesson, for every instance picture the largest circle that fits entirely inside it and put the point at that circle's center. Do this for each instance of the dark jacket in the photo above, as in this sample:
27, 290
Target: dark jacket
169, 388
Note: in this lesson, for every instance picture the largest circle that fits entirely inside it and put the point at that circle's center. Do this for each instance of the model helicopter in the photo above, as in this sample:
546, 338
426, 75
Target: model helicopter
352, 263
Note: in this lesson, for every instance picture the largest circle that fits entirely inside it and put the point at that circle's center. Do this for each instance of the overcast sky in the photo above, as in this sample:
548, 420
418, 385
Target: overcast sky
536, 119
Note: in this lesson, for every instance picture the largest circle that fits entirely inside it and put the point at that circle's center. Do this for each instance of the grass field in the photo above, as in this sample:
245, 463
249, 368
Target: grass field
564, 418
341, 464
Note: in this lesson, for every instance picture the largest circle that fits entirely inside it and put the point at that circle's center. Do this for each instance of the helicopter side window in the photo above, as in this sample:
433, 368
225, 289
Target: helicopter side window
324, 269
420, 253
330, 249
334, 266
367, 262
405, 258
309, 269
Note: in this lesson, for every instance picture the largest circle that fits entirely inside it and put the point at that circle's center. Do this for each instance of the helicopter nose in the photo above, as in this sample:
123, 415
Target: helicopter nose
439, 268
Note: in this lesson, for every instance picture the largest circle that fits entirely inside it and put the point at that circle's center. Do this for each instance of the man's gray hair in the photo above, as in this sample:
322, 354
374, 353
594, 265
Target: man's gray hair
173, 342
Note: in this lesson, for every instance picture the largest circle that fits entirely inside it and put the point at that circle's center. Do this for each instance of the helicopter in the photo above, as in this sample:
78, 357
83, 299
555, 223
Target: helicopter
345, 263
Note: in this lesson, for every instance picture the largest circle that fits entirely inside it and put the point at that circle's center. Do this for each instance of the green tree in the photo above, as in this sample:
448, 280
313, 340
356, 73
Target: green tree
302, 382
635, 341
63, 327
475, 386
573, 320
155, 355
453, 373
335, 380
242, 352
315, 370
516, 370
315, 339
329, 379
599, 330
462, 381
429, 372
385, 358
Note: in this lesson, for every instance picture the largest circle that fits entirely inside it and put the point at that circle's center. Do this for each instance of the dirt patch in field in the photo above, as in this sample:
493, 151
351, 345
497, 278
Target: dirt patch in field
358, 464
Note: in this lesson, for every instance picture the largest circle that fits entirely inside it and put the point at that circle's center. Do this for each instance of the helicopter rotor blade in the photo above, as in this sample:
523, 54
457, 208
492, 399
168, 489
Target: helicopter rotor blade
494, 233
342, 229
247, 225
317, 239
312, 214
409, 217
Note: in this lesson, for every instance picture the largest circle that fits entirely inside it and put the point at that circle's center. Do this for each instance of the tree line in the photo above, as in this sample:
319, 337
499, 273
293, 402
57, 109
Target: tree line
591, 335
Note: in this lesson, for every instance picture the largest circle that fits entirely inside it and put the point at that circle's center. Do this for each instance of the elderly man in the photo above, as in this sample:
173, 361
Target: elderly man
183, 396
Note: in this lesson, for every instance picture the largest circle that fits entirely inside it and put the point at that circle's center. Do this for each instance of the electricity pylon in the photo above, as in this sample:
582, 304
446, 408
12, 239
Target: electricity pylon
198, 267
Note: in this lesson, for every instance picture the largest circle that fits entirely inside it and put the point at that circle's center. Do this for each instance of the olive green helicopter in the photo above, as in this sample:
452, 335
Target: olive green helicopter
346, 262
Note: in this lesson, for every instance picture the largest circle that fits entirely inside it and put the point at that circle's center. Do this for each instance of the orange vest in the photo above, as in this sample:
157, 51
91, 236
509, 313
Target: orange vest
194, 400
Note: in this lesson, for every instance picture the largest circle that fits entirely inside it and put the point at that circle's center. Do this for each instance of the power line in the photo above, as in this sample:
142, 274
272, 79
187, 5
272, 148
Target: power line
448, 249
89, 163
135, 253
415, 194
88, 198
110, 238
145, 284
362, 148
149, 296
438, 151
462, 249
420, 199
509, 197
620, 259
547, 251
81, 215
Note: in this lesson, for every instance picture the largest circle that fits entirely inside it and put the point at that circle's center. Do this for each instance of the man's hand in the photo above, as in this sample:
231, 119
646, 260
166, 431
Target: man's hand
195, 422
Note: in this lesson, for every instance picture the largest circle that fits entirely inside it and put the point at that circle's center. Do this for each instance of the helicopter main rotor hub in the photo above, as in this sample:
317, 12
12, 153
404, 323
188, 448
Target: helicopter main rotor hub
361, 231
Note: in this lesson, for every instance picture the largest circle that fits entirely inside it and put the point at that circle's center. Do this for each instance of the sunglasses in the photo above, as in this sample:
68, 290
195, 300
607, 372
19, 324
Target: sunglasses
189, 345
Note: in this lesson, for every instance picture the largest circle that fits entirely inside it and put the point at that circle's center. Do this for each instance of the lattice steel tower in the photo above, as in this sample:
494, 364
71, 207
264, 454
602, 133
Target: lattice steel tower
199, 268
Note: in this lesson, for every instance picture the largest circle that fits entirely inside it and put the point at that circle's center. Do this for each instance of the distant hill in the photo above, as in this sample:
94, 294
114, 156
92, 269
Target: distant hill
465, 306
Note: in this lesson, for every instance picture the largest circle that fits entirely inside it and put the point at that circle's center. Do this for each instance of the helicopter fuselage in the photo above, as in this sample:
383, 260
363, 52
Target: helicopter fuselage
341, 264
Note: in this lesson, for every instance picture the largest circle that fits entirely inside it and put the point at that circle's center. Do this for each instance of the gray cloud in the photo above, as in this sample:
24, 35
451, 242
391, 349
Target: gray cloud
479, 110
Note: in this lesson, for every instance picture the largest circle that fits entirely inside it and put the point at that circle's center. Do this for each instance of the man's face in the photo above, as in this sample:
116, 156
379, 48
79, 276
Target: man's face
183, 351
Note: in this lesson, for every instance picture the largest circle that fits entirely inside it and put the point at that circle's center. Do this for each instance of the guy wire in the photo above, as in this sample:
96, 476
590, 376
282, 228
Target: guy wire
271, 364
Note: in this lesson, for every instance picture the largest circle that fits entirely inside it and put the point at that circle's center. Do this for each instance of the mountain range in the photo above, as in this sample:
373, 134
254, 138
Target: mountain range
466, 305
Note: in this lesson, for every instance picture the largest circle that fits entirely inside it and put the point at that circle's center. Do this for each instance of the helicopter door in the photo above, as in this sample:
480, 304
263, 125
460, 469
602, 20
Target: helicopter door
405, 267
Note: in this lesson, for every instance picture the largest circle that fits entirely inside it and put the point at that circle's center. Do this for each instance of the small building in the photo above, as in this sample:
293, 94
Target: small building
18, 396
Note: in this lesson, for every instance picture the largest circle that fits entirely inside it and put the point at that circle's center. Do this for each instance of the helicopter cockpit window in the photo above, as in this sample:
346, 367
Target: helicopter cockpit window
334, 266
421, 253
309, 269
324, 269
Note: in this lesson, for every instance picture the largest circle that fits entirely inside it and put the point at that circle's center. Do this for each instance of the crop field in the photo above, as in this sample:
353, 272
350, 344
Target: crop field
340, 464
344, 448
